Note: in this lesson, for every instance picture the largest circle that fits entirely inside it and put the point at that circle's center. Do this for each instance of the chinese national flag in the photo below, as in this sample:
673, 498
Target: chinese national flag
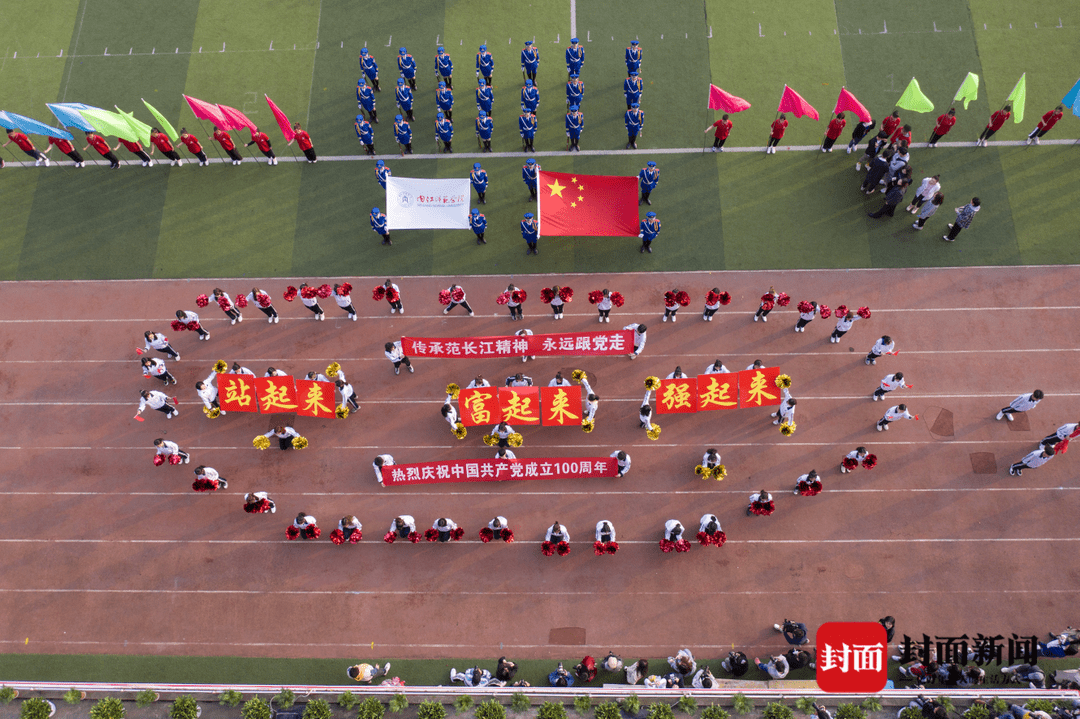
236, 393
717, 391
561, 406
520, 405
677, 396
316, 398
757, 387
478, 405
276, 394
587, 205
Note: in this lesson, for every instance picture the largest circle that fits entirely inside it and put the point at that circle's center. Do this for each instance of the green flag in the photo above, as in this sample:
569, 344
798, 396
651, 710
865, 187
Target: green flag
109, 123
163, 124
969, 90
141, 129
1017, 97
913, 99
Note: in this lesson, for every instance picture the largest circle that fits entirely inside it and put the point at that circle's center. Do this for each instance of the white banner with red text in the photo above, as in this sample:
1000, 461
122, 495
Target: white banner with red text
427, 204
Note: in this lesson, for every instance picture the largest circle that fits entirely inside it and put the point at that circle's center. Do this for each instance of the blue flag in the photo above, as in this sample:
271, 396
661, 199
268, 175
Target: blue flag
68, 114
1070, 97
33, 127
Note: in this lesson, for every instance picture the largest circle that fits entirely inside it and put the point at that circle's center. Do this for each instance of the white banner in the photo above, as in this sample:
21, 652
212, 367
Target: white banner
427, 204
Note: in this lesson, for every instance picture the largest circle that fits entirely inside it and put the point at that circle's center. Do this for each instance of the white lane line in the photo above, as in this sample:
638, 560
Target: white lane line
530, 544
706, 489
527, 593
573, 18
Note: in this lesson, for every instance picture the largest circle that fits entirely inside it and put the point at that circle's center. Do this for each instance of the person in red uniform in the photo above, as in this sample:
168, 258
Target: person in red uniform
161, 142
99, 144
944, 124
303, 141
260, 139
136, 149
777, 134
26, 146
65, 147
225, 140
1048, 121
723, 129
836, 126
891, 123
901, 136
996, 121
193, 146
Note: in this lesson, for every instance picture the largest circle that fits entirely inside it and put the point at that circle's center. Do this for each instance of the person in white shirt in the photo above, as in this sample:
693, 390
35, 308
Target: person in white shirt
156, 400
639, 338
403, 525
709, 524
757, 364
208, 393
306, 524
519, 380
498, 523
760, 497
455, 303
349, 525
383, 460
285, 436
274, 372
396, 354
890, 383
475, 677
344, 299
237, 369
806, 317
645, 411
558, 381
843, 324
207, 479
704, 679
809, 482
1023, 403
159, 342
655, 681
673, 530
166, 448
444, 526
557, 303
611, 662
153, 367
671, 305
622, 459
711, 458
395, 305
317, 377
883, 346
592, 403
312, 302
604, 307
449, 412
858, 454
683, 662
478, 382
711, 307
717, 367
258, 503
227, 306
261, 299
1064, 432
514, 307
557, 533
505, 453
892, 414
929, 187
677, 374
777, 668
637, 671
762, 313
189, 318
525, 333
786, 412
503, 431
348, 395
1035, 458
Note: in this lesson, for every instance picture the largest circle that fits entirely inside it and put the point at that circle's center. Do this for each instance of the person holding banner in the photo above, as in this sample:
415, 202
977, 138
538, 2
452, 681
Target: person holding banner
559, 381
159, 342
99, 144
622, 459
378, 225
941, 129
639, 338
519, 380
450, 413
263, 142
444, 131
505, 453
485, 65
285, 436
479, 381
208, 393
396, 354
717, 367
1045, 124
370, 68
303, 141
193, 146
592, 402
485, 126
403, 135
645, 411
786, 412
156, 368
65, 147
225, 140
348, 394
530, 230
365, 100
383, 460
165, 448
156, 400
525, 333
503, 431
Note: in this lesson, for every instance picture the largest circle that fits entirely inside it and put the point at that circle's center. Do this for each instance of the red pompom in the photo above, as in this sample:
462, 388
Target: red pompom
767, 297
290, 293
324, 291
175, 459
202, 301
263, 505
312, 532
337, 537
389, 537
393, 295
292, 532
783, 299
177, 326
378, 293
809, 489
486, 535
824, 311
669, 298
503, 298
414, 537
725, 298
194, 326
566, 294
611, 547
682, 298
309, 293
595, 296
457, 295
546, 295
444, 297
863, 312
563, 548
841, 311
805, 307
766, 306
547, 548
456, 534
850, 463
704, 538
762, 509
617, 299
598, 548
719, 539
159, 459
344, 289
357, 535
518, 296
241, 301
204, 485
711, 298
224, 304
870, 462
667, 546
682, 546
264, 300
507, 535
431, 534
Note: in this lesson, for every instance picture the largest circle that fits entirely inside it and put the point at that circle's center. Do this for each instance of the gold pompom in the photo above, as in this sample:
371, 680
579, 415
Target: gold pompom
221, 366
332, 369
342, 412
453, 390
211, 412
701, 470
587, 425
261, 442
654, 431
491, 440
783, 381
515, 439
719, 472
459, 431
578, 375
652, 382
299, 442
787, 429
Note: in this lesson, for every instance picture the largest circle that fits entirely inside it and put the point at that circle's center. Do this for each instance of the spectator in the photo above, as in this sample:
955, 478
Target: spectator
585, 671
1030, 673
794, 632
890, 625
560, 677
506, 670
735, 664
475, 677
822, 712
683, 662
612, 663
777, 667
704, 679
637, 671
799, 658
366, 672
918, 672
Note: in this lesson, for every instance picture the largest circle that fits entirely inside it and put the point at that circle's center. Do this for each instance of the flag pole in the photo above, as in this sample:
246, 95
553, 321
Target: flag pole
254, 157
210, 139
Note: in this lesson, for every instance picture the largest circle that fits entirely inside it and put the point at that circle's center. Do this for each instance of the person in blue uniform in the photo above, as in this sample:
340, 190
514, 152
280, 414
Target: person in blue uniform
365, 134
634, 119
478, 223
406, 66
485, 65
479, 179
530, 61
527, 130
650, 228
575, 57
382, 171
403, 135
631, 89
370, 68
444, 129
530, 232
530, 173
484, 127
530, 97
365, 100
633, 57
444, 98
485, 96
575, 123
444, 67
404, 99
575, 91
647, 179
378, 225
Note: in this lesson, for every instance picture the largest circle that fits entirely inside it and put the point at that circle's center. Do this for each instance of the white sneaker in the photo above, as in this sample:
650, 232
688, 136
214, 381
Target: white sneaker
858, 166
187, 459
764, 318
879, 428
402, 310
172, 163
1009, 417
843, 469
277, 318
452, 673
150, 164
392, 310
776, 421
916, 226
446, 311
353, 318
269, 320
233, 322
1036, 141
849, 149
144, 164
999, 416
601, 319
38, 163
411, 368
665, 318
886, 428
180, 163
777, 627
473, 314
673, 318
240, 318
386, 668
755, 318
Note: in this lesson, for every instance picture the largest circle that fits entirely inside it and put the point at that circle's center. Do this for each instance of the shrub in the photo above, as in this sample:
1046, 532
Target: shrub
519, 702
871, 704
491, 709
185, 707
805, 705
660, 710
230, 698
608, 710
551, 710
977, 711
255, 708
431, 710
35, 709
399, 703
7, 694
631, 704
370, 708
285, 698
741, 704
776, 710
147, 697
317, 709
910, 713
946, 702
687, 704
998, 706
1037, 705
714, 712
73, 696
582, 704
108, 708
463, 703
850, 711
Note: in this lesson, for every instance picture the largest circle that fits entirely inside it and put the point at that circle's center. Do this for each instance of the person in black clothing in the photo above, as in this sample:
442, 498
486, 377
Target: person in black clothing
736, 664
506, 670
794, 632
798, 658
890, 627
876, 172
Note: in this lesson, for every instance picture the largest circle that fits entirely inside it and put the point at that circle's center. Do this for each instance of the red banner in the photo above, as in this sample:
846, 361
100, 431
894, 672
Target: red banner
316, 398
276, 394
520, 405
717, 391
479, 405
677, 396
561, 406
498, 470
236, 393
757, 387
610, 342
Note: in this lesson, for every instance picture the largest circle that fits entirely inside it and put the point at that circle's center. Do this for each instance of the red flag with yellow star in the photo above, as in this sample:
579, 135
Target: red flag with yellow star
587, 205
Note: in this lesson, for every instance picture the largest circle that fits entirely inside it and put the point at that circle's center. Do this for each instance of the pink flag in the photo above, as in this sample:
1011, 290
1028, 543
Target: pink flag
236, 119
793, 103
208, 111
282, 121
720, 100
847, 101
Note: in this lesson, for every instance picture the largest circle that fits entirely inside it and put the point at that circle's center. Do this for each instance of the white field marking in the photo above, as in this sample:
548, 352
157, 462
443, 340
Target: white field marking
528, 544
573, 18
